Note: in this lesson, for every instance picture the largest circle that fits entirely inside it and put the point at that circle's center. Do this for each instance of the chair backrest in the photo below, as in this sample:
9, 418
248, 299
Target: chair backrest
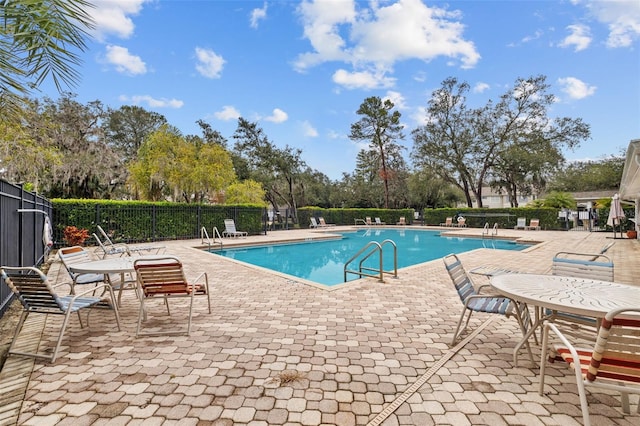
314, 223
378, 221
448, 221
583, 265
522, 222
107, 240
402, 220
230, 225
31, 287
367, 220
462, 220
322, 222
459, 276
74, 255
102, 246
534, 223
161, 276
616, 354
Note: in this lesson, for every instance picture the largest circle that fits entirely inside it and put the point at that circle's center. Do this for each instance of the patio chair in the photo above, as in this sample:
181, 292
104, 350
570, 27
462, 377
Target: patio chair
447, 222
114, 249
613, 363
324, 224
534, 225
367, 221
474, 301
121, 248
378, 221
38, 296
231, 231
163, 278
594, 266
74, 255
462, 222
521, 223
401, 221
314, 222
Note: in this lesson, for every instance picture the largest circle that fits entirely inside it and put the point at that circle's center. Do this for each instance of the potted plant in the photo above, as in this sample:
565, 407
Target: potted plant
75, 236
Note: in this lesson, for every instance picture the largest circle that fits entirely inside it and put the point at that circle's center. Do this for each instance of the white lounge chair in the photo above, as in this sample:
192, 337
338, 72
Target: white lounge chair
521, 224
231, 231
378, 221
314, 222
109, 248
324, 224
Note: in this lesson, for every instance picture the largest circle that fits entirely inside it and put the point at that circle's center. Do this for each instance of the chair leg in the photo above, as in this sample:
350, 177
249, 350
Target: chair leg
23, 318
524, 331
459, 331
61, 335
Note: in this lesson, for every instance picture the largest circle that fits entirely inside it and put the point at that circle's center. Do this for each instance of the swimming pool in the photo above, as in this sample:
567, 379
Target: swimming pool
323, 261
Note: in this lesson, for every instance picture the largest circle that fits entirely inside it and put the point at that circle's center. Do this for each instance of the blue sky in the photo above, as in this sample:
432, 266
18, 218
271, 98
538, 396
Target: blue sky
301, 69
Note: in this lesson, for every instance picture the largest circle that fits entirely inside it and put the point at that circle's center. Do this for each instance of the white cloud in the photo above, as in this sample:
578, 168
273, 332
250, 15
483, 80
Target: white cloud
481, 87
361, 38
575, 88
113, 17
153, 102
309, 130
277, 116
622, 17
228, 113
580, 37
209, 63
397, 99
362, 80
124, 61
257, 15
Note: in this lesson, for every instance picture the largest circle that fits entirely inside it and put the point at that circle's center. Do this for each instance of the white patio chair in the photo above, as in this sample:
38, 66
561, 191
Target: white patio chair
521, 223
37, 296
74, 255
231, 231
120, 248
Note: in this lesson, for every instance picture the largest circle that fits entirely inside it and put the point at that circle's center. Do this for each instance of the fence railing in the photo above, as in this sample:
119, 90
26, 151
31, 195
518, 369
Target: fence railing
22, 216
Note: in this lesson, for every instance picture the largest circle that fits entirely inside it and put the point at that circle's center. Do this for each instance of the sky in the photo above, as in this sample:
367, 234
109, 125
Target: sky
301, 69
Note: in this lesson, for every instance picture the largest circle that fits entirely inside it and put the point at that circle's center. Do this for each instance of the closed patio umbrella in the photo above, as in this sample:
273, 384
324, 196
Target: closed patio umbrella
616, 214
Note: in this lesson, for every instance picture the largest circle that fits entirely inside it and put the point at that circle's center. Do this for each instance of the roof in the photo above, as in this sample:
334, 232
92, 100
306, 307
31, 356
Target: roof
630, 182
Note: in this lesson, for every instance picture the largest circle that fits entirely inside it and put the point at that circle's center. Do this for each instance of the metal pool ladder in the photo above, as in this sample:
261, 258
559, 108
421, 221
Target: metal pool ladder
486, 230
365, 253
204, 236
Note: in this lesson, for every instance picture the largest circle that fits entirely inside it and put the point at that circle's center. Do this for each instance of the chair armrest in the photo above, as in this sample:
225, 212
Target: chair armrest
199, 277
91, 290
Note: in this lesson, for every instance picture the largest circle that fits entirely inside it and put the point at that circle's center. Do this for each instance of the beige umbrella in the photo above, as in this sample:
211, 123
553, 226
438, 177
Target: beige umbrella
616, 214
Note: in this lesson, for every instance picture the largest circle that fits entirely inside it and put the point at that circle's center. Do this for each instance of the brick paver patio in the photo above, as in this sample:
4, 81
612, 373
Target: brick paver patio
276, 351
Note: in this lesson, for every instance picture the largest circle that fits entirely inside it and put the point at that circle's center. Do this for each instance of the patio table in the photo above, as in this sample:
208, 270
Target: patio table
579, 296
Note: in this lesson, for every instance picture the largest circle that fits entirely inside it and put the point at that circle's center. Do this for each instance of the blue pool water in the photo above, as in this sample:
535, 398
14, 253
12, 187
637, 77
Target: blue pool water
323, 261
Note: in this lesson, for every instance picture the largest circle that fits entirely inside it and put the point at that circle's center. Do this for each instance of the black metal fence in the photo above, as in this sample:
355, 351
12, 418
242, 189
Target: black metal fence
22, 216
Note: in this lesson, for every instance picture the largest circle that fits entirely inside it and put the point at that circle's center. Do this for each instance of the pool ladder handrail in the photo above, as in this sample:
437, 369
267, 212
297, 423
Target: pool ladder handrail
375, 247
204, 235
494, 230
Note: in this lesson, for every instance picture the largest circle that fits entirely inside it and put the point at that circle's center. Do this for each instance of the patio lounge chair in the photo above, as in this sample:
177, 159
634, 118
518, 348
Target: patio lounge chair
367, 221
613, 363
401, 221
521, 223
37, 296
163, 278
74, 255
114, 249
314, 222
447, 222
230, 229
534, 225
121, 248
378, 221
462, 222
324, 224
474, 301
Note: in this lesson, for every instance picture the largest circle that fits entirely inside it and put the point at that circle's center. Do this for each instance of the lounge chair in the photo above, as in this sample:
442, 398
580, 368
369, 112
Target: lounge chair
163, 278
534, 225
613, 363
378, 221
474, 301
462, 222
231, 231
447, 222
74, 255
521, 223
367, 221
108, 247
324, 224
401, 221
38, 296
314, 222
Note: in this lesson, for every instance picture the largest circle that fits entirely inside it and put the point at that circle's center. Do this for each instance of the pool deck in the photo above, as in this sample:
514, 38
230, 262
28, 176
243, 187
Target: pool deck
277, 351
